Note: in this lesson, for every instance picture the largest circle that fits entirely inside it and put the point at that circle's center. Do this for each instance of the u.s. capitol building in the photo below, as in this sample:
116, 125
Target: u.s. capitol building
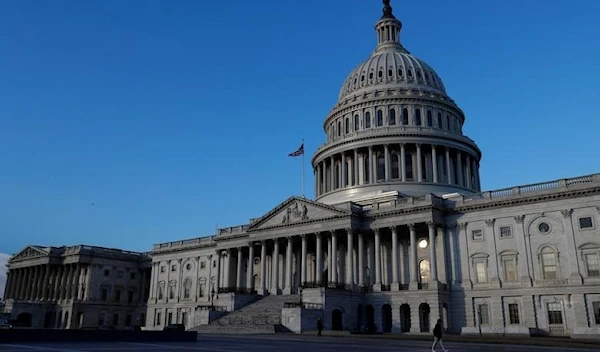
398, 235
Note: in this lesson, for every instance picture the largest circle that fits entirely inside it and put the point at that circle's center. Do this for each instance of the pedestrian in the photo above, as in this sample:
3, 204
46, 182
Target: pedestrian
319, 327
437, 336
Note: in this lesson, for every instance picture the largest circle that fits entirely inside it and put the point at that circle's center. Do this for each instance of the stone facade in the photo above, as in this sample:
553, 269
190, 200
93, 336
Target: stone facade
77, 287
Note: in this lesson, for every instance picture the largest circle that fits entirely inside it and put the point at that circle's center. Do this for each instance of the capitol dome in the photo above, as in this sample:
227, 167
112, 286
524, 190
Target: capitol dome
394, 129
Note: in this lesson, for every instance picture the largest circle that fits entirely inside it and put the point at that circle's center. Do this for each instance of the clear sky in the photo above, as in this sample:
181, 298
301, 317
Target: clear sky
129, 123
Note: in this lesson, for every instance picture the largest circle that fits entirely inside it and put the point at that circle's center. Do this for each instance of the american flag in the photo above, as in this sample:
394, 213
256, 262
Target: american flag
298, 152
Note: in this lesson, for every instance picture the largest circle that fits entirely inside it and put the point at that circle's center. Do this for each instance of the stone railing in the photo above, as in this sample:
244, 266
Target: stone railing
213, 308
239, 290
403, 203
382, 131
185, 243
532, 188
303, 305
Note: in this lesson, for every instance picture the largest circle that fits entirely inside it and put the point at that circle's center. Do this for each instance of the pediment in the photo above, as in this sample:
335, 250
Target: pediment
29, 252
296, 210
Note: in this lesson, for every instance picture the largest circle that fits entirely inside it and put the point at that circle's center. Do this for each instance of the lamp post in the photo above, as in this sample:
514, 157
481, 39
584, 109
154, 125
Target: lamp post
212, 299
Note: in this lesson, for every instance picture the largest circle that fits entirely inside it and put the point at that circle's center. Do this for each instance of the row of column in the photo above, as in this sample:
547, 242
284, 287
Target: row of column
45, 282
414, 162
351, 278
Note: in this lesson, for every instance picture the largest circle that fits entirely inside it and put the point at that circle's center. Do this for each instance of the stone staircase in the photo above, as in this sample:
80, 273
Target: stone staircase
260, 317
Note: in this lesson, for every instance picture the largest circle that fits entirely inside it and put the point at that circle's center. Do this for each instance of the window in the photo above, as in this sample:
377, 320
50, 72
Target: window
379, 118
593, 264
510, 268
429, 119
544, 227
214, 264
549, 264
481, 271
555, 313
202, 289
439, 120
424, 271
187, 287
130, 296
158, 318
596, 308
380, 167
347, 129
172, 292
117, 295
162, 269
392, 117
173, 267
104, 294
367, 120
586, 223
142, 319
356, 122
448, 122
418, 117
405, 116
120, 273
161, 292
400, 73
170, 318
128, 320
395, 166
339, 128
505, 232
106, 272
115, 319
484, 314
367, 166
101, 319
202, 265
513, 313
132, 276
477, 235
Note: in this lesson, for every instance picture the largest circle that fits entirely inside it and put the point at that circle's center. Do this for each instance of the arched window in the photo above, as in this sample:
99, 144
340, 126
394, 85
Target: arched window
448, 123
356, 122
418, 117
202, 287
405, 116
429, 119
347, 125
424, 271
366, 168
392, 118
395, 164
339, 128
409, 166
380, 167
439, 120
367, 120
346, 173
379, 118
187, 288
549, 264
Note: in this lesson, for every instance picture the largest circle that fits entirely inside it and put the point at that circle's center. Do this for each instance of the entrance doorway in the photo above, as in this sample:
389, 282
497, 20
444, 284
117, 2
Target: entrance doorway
405, 318
337, 320
424, 317
24, 319
555, 318
370, 321
386, 318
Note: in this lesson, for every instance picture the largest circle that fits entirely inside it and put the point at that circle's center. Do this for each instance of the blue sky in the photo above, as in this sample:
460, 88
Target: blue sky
128, 123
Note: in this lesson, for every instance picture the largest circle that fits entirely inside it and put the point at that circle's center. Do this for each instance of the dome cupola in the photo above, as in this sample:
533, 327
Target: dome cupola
394, 128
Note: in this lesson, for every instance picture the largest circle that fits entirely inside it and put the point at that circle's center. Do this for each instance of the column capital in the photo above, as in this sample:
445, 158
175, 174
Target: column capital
393, 228
303, 236
463, 225
349, 230
375, 231
332, 233
318, 234
566, 212
263, 242
431, 224
490, 222
239, 248
411, 227
418, 145
519, 219
451, 225
250, 244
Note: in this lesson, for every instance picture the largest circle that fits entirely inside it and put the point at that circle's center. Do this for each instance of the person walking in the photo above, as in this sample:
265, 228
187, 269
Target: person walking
319, 327
437, 336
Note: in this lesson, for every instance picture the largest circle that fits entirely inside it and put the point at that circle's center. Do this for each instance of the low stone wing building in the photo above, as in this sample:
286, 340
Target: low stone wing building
77, 287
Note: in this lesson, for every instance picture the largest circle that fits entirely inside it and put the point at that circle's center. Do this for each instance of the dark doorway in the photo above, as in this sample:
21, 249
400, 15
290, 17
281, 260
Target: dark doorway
24, 319
359, 317
424, 317
325, 278
405, 318
370, 318
337, 320
48, 320
386, 318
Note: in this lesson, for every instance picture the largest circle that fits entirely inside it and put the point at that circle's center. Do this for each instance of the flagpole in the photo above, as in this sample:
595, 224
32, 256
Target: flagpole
303, 194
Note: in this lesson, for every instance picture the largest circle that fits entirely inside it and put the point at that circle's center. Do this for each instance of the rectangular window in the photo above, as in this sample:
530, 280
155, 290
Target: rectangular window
202, 289
130, 296
104, 294
593, 264
203, 265
510, 269
596, 308
585, 223
215, 264
170, 320
117, 295
555, 313
106, 272
116, 319
477, 235
161, 292
484, 314
481, 272
101, 319
162, 269
513, 313
171, 292
505, 232
157, 322
173, 267
132, 276
128, 320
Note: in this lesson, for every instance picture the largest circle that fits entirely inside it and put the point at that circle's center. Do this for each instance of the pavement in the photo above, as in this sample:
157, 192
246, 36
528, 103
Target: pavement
276, 343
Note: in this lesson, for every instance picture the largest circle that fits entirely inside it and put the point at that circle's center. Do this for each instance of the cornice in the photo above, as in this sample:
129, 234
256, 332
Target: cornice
183, 248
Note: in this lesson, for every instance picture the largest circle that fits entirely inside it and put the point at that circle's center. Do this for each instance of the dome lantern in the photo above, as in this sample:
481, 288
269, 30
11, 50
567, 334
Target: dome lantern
388, 28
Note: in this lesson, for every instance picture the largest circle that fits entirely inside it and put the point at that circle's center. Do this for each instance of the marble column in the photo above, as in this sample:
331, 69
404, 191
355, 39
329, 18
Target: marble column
372, 176
46, 284
250, 270
29, 283
414, 260
386, 150
303, 261
377, 286
34, 283
319, 263
263, 267
395, 278
361, 258
76, 278
275, 264
238, 276
419, 164
350, 256
218, 273
344, 167
332, 174
57, 280
468, 182
329, 261
7, 287
432, 253
448, 166
403, 162
288, 267
355, 173
334, 250
434, 162
459, 169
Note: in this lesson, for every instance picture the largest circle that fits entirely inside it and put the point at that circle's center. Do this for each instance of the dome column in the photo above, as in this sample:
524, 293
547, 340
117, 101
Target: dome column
434, 162
402, 162
419, 164
459, 169
448, 167
343, 169
332, 174
387, 162
371, 178
355, 164
469, 180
